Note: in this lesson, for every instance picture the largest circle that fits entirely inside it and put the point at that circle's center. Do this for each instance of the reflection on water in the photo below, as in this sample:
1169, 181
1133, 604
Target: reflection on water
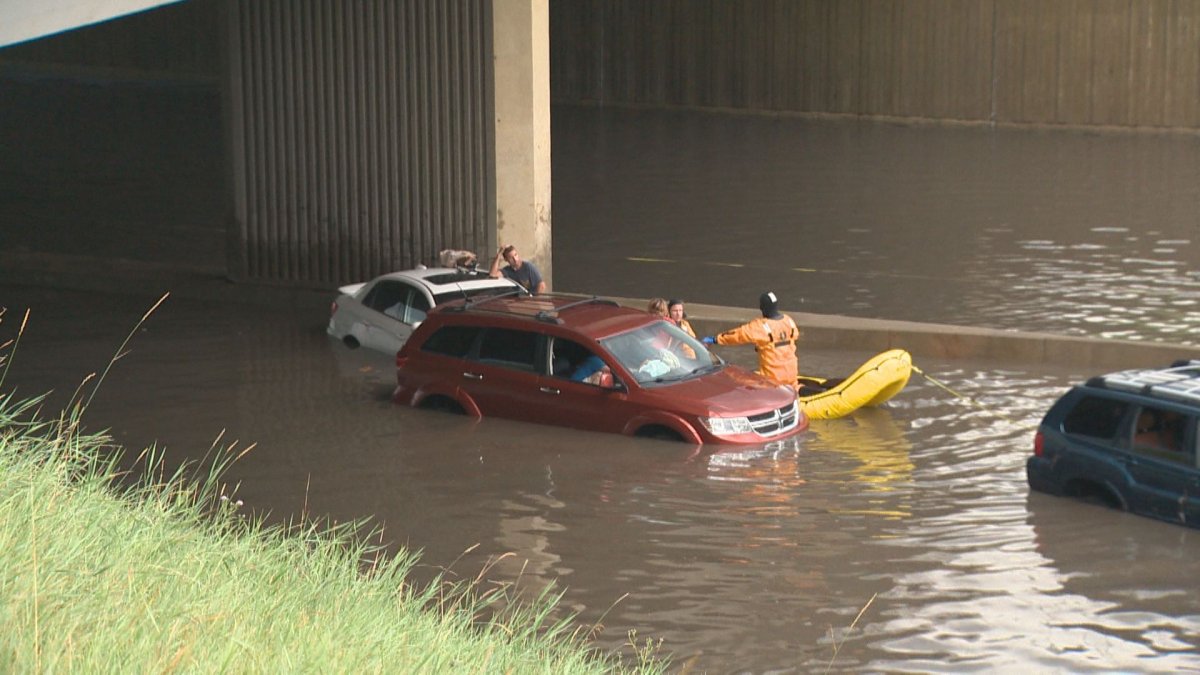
875, 442
1069, 232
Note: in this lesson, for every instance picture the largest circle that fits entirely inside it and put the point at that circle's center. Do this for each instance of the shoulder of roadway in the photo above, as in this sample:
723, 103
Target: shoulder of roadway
819, 331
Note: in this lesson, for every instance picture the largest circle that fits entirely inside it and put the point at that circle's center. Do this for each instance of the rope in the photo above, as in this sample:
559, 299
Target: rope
964, 397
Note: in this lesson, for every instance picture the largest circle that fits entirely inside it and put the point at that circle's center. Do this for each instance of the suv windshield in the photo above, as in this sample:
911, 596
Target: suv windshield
661, 352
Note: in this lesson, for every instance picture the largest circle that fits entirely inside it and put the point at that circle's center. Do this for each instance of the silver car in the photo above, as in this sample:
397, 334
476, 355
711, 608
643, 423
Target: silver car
382, 313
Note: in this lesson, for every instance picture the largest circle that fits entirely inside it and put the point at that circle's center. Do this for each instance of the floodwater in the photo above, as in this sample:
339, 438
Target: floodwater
900, 539
916, 516
1071, 232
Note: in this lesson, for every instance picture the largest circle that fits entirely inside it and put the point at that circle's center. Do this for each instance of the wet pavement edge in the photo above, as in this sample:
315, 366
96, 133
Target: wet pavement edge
820, 331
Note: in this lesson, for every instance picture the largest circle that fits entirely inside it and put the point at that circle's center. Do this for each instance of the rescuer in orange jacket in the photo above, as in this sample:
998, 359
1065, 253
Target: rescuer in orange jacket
774, 338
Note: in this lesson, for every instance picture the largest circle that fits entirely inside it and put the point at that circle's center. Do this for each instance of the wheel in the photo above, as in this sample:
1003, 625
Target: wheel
659, 434
443, 404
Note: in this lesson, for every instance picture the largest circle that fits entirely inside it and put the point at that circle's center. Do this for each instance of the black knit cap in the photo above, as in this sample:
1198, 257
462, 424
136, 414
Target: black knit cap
768, 303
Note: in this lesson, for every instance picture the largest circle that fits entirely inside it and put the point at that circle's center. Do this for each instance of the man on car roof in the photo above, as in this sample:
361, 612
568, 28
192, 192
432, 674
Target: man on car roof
521, 271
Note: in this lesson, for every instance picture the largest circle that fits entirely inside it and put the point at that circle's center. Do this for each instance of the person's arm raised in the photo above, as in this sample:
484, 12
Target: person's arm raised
494, 272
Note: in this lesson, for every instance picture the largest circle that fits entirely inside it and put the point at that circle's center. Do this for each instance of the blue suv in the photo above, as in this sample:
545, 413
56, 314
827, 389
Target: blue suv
1125, 439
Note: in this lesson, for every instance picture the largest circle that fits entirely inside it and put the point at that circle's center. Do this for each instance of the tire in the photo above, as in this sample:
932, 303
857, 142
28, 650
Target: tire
442, 404
659, 434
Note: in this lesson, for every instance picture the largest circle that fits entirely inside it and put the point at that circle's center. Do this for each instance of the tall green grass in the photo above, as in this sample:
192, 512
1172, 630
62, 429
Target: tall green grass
104, 569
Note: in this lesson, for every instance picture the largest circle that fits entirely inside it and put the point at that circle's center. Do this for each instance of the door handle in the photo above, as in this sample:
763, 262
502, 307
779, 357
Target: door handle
549, 390
473, 376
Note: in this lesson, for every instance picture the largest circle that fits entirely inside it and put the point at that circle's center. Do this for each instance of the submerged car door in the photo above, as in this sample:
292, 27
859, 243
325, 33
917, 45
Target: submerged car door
598, 403
395, 309
1162, 465
502, 375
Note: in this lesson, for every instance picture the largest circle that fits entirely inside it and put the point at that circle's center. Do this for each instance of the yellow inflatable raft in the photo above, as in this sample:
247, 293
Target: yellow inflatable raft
876, 381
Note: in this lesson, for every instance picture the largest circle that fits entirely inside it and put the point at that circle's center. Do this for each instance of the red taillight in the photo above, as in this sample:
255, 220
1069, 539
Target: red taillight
400, 360
1039, 442
333, 308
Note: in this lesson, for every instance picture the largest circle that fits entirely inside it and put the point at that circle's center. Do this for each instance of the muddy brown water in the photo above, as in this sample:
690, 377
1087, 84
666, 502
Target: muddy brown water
901, 539
1080, 233
752, 560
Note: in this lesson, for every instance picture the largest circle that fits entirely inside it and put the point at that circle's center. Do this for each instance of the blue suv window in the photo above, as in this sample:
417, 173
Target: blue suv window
1163, 434
1096, 418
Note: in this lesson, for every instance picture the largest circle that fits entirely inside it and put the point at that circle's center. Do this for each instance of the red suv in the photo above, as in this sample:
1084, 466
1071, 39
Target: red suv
589, 364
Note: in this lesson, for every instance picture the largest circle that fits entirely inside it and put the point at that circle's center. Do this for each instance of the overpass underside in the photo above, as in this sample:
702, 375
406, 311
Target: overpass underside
287, 141
311, 143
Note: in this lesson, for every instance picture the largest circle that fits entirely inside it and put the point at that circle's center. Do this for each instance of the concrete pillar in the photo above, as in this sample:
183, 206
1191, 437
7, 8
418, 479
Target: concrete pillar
521, 44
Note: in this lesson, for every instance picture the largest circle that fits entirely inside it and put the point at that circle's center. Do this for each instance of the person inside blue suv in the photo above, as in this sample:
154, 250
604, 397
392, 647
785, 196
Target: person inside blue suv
1159, 432
1126, 439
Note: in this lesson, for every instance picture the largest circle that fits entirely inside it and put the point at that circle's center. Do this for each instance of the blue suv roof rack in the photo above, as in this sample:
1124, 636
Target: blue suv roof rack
1180, 382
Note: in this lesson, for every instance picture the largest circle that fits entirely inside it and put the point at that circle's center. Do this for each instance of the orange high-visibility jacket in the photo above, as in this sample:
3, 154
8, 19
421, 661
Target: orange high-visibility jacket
775, 342
683, 348
686, 327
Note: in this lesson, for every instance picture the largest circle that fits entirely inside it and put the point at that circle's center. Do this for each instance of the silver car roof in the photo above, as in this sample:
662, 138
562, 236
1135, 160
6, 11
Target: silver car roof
447, 279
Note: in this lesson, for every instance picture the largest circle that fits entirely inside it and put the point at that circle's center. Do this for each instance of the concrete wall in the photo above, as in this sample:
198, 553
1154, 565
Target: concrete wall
176, 40
1125, 63
111, 141
301, 142
521, 36
360, 135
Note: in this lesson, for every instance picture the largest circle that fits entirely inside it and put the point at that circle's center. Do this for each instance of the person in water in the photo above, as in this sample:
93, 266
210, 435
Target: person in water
774, 337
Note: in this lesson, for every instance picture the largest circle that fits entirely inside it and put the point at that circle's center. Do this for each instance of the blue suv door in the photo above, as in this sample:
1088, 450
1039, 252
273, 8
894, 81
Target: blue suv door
1162, 464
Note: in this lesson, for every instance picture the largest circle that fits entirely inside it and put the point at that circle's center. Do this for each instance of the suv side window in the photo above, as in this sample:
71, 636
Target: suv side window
571, 360
1192, 444
1162, 434
509, 348
453, 341
1096, 417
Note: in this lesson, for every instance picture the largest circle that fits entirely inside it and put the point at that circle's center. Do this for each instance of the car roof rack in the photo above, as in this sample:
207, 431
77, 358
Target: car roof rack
1181, 381
456, 275
484, 299
551, 315
546, 315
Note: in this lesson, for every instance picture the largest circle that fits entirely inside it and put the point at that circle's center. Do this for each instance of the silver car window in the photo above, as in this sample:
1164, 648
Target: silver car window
418, 306
389, 297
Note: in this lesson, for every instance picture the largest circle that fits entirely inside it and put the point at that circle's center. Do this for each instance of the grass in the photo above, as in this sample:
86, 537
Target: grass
107, 569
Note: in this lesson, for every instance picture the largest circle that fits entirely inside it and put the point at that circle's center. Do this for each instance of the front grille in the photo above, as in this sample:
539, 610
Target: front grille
775, 422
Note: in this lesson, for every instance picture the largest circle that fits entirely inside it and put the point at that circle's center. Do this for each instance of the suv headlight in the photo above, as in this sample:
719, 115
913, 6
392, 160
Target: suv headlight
727, 426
